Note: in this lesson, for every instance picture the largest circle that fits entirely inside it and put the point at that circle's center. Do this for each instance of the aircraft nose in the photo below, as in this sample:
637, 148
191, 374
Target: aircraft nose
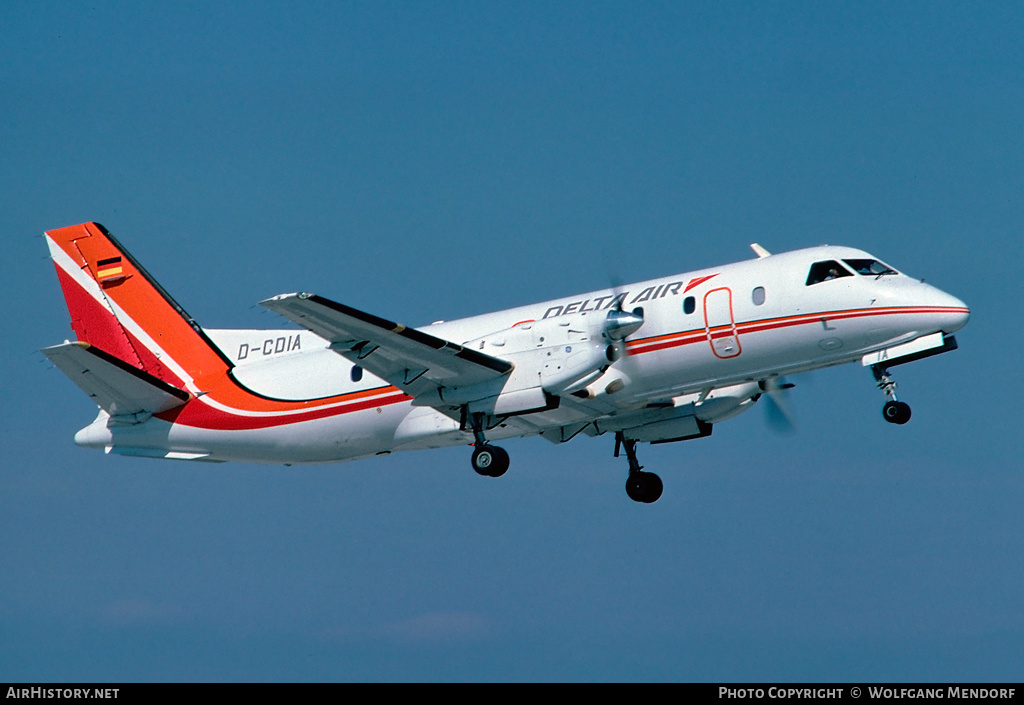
956, 313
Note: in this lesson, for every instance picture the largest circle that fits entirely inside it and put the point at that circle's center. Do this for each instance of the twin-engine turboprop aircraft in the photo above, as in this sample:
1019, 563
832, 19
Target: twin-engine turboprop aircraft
659, 361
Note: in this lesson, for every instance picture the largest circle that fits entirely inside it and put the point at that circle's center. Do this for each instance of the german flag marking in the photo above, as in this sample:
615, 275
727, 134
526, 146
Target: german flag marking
108, 272
109, 267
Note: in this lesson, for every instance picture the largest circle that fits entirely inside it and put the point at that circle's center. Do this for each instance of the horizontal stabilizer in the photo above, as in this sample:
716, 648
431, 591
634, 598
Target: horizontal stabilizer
413, 361
117, 387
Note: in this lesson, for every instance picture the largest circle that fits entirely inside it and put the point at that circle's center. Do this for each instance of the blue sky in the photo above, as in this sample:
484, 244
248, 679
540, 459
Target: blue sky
427, 161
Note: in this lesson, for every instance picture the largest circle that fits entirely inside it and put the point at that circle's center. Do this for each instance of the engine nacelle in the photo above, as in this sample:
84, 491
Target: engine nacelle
552, 357
560, 354
690, 416
681, 428
721, 404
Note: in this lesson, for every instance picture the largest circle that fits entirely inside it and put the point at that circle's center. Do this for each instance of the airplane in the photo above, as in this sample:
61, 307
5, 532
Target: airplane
658, 361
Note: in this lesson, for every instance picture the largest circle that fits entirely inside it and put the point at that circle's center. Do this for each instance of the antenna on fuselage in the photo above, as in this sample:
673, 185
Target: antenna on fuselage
759, 251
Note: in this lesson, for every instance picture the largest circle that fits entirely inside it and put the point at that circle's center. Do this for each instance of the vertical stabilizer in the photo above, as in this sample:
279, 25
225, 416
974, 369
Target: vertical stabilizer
118, 307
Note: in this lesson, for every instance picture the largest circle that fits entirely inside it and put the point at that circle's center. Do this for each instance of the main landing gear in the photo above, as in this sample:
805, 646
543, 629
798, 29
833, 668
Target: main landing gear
491, 461
641, 486
488, 460
894, 411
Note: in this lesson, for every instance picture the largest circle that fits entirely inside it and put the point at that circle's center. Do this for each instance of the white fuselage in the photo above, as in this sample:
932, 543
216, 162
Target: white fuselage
708, 338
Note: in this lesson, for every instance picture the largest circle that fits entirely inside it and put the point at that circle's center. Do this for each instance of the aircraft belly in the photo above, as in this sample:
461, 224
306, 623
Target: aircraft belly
335, 438
426, 427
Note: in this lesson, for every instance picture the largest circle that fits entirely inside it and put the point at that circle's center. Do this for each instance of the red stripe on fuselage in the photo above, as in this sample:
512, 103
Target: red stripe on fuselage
672, 340
199, 414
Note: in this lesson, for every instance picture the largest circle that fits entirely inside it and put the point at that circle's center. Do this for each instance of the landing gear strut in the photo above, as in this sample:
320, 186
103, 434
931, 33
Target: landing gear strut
894, 411
641, 486
488, 460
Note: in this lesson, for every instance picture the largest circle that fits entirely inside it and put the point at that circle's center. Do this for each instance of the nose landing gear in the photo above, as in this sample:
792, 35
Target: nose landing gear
641, 486
897, 412
894, 411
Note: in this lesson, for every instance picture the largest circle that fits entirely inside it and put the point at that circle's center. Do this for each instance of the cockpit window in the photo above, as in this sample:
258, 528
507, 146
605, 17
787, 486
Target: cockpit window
824, 271
869, 267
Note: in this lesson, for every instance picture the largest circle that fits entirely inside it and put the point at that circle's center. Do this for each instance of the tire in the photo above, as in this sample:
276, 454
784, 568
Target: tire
654, 488
645, 487
896, 412
490, 461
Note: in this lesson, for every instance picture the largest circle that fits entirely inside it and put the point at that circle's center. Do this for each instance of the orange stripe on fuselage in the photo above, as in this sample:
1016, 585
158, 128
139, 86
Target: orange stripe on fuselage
199, 413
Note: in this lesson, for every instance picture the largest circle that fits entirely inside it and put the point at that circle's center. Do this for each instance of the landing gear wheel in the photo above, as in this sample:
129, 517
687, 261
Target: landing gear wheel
641, 486
896, 412
644, 487
490, 461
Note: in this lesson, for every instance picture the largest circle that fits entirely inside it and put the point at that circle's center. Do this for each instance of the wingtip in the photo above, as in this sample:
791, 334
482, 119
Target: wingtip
269, 303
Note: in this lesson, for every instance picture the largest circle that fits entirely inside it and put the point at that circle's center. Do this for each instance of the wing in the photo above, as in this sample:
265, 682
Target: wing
118, 388
413, 361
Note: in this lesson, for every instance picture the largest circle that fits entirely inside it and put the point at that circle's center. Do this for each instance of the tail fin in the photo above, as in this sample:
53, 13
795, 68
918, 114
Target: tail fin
118, 307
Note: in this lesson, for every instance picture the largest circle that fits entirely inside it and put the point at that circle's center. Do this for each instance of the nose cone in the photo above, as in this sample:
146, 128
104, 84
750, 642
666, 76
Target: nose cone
955, 312
959, 319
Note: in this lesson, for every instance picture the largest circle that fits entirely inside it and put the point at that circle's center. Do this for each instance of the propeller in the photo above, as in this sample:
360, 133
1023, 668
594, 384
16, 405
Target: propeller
779, 411
619, 324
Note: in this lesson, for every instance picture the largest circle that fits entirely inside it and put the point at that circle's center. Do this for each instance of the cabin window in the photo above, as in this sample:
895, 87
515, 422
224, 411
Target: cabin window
689, 305
826, 271
357, 373
757, 296
869, 267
